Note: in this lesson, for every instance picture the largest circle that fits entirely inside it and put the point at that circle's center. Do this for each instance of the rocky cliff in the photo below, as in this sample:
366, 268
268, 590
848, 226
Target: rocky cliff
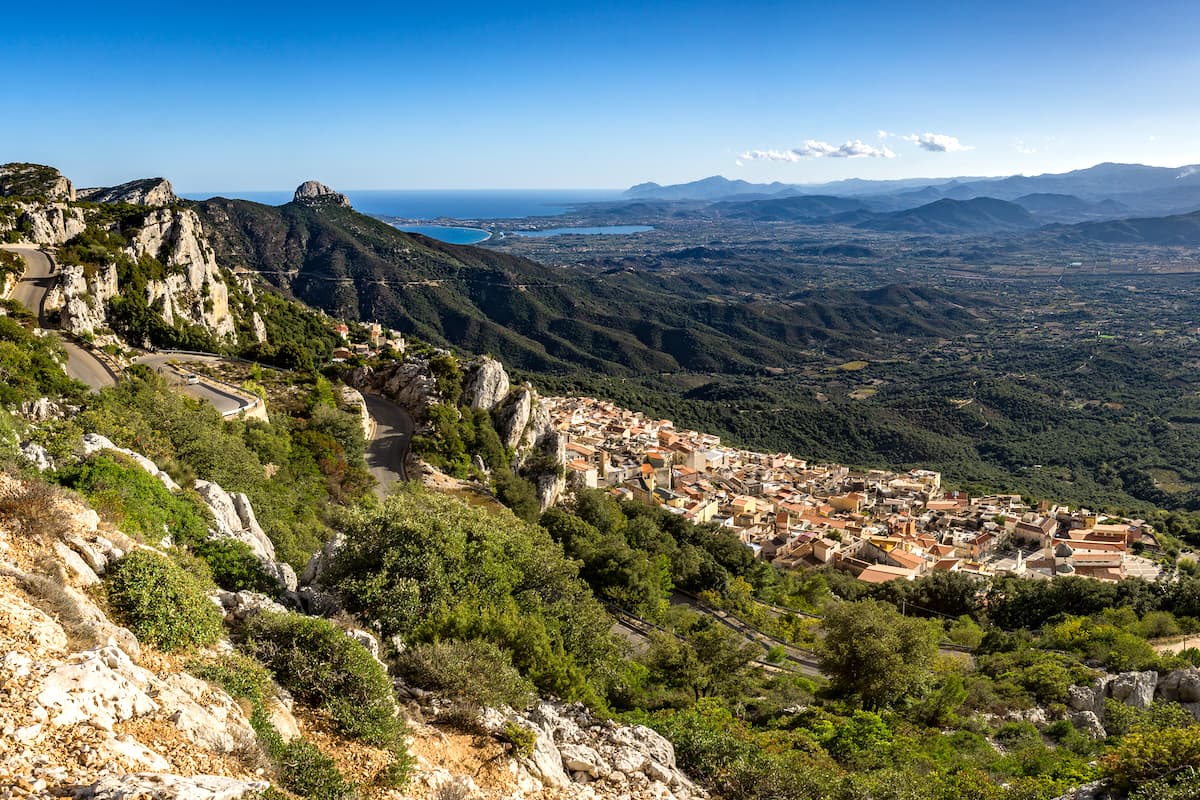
42, 223
194, 290
35, 180
143, 192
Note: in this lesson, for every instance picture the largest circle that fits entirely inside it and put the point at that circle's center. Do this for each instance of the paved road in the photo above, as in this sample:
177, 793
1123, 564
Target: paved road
226, 401
388, 448
31, 293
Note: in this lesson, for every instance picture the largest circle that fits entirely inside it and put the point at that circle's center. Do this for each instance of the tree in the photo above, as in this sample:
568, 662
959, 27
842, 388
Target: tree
875, 655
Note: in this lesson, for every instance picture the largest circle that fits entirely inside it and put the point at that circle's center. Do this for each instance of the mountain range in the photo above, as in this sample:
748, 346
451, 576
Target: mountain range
1104, 191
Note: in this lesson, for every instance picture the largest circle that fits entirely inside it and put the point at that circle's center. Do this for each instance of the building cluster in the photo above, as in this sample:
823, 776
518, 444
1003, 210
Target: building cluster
877, 524
376, 339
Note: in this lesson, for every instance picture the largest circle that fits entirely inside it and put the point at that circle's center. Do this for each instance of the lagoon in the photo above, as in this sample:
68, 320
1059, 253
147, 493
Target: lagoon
447, 233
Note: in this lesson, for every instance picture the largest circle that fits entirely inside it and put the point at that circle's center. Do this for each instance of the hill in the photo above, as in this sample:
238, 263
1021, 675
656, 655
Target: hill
1180, 229
946, 216
1051, 207
530, 315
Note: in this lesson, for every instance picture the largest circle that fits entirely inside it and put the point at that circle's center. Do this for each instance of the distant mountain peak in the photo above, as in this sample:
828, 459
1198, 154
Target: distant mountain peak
313, 192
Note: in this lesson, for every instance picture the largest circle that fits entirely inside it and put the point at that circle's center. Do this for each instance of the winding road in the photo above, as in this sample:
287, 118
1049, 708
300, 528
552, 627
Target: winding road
388, 448
226, 401
31, 293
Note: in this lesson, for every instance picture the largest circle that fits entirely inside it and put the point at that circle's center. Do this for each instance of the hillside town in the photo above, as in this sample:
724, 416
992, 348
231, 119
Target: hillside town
875, 524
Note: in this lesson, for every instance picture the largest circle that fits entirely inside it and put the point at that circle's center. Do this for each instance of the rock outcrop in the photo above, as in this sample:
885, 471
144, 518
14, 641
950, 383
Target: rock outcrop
82, 297
1085, 704
44, 223
313, 192
572, 747
193, 291
408, 384
233, 515
524, 426
485, 384
143, 192
35, 180
234, 518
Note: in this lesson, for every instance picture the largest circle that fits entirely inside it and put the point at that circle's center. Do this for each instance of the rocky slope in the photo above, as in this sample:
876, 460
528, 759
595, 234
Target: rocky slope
143, 192
86, 710
35, 180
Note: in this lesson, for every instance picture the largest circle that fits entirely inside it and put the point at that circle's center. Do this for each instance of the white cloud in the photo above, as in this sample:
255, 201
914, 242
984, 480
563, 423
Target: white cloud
1025, 149
816, 149
937, 142
882, 134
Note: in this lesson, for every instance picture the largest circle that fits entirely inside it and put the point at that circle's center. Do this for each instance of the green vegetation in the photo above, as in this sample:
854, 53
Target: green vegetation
161, 602
133, 500
291, 469
317, 662
29, 365
429, 568
299, 766
476, 674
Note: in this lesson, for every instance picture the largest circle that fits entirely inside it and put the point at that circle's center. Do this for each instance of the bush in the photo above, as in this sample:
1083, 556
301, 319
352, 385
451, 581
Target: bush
1142, 757
302, 768
161, 603
240, 676
316, 661
234, 566
475, 672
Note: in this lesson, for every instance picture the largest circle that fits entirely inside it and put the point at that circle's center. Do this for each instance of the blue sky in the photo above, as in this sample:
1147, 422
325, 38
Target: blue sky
238, 96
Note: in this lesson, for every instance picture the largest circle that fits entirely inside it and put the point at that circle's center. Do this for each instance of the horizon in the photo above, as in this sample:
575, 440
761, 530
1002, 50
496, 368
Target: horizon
538, 96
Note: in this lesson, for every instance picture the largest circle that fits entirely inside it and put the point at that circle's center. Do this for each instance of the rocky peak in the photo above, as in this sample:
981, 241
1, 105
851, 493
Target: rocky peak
35, 180
312, 192
486, 384
143, 192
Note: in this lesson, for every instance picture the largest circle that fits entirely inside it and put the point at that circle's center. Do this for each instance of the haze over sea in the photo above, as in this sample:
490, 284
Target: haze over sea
431, 204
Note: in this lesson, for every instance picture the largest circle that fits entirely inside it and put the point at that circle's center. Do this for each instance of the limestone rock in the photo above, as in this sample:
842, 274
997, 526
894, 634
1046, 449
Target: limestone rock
1088, 724
1134, 689
35, 180
37, 455
409, 384
1181, 685
193, 290
313, 192
96, 687
485, 384
209, 719
80, 572
40, 410
232, 522
159, 786
85, 293
513, 416
322, 560
353, 398
143, 192
52, 223
243, 605
581, 758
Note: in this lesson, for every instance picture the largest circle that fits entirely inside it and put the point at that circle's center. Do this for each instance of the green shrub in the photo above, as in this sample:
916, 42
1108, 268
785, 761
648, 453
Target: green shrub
317, 662
301, 767
522, 739
161, 603
1142, 757
240, 676
475, 672
134, 500
234, 566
